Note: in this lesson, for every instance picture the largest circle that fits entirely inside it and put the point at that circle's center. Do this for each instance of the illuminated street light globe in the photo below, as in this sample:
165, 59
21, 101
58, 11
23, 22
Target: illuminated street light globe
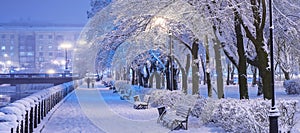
65, 45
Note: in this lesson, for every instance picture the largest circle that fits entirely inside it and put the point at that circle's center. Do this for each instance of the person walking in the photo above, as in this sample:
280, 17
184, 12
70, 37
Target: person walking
93, 80
88, 80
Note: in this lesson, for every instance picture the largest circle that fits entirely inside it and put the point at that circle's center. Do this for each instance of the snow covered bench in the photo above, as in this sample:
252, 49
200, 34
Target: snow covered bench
176, 119
124, 90
125, 94
138, 104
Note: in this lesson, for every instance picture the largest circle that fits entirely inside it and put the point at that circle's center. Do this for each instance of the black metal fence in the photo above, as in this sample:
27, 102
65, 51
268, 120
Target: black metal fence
23, 115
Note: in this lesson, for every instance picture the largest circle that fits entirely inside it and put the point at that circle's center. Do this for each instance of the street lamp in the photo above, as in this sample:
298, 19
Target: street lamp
273, 113
66, 46
171, 63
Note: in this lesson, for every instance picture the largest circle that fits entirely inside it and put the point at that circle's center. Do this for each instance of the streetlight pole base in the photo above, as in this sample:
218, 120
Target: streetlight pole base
66, 72
273, 118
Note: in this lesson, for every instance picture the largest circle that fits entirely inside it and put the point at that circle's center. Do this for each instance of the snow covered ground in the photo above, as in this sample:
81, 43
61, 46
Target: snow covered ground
98, 110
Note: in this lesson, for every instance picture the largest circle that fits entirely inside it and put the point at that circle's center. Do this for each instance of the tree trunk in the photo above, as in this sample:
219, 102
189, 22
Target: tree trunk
118, 75
175, 79
220, 84
203, 69
195, 67
140, 77
254, 79
184, 74
265, 73
228, 74
163, 82
157, 80
242, 68
184, 82
146, 79
155, 75
207, 71
266, 80
232, 73
286, 74
168, 78
151, 78
133, 77
124, 74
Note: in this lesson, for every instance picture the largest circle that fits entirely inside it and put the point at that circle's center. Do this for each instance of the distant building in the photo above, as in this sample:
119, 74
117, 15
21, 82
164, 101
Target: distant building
36, 49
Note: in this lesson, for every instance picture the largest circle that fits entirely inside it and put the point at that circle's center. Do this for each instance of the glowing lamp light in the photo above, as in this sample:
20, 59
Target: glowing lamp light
8, 62
51, 71
66, 45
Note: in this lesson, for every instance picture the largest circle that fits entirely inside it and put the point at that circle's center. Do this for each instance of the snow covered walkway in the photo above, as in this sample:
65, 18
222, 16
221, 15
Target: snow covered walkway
98, 110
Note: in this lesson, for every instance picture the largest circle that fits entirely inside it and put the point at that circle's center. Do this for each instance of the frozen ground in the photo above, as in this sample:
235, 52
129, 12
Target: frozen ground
99, 110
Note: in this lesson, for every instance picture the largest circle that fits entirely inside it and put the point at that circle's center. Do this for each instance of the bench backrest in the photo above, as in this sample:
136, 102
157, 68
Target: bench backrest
183, 111
147, 98
136, 98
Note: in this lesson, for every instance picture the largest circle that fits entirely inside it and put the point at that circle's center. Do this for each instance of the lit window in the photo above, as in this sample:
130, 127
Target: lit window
3, 48
30, 54
22, 54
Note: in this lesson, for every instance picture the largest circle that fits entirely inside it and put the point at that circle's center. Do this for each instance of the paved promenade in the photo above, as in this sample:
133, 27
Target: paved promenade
98, 110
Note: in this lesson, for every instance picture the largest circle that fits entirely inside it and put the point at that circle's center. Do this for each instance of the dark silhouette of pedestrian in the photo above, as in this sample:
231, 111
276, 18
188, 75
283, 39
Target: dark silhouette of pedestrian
93, 82
88, 80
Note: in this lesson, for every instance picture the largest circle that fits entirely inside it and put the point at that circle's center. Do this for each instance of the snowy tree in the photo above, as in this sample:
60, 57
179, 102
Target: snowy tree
286, 34
132, 22
253, 27
225, 26
97, 5
247, 29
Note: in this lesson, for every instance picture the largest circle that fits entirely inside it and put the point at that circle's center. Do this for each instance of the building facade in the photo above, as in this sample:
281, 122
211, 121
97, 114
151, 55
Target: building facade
36, 49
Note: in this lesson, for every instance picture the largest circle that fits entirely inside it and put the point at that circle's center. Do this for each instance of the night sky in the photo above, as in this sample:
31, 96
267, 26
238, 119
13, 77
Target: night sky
44, 11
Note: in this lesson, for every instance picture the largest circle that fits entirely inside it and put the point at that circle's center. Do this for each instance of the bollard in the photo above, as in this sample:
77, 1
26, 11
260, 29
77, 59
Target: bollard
44, 108
31, 120
39, 112
35, 116
26, 122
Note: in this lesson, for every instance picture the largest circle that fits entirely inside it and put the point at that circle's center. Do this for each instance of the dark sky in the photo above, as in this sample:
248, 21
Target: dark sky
45, 11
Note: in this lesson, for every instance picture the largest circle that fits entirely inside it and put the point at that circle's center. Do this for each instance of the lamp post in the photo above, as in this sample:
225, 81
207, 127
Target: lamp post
171, 63
66, 46
273, 113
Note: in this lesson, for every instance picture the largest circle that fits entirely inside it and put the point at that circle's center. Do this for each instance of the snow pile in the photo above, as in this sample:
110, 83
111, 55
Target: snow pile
121, 85
140, 90
242, 115
235, 115
287, 110
165, 98
292, 86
